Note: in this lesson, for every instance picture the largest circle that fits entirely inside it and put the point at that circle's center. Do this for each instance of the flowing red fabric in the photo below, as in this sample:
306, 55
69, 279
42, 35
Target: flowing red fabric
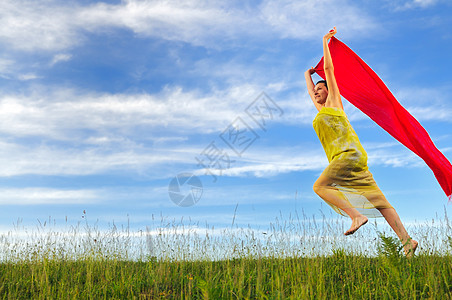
362, 87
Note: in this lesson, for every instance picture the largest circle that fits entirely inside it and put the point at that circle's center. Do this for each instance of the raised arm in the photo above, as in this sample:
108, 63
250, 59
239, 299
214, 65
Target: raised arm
310, 85
334, 96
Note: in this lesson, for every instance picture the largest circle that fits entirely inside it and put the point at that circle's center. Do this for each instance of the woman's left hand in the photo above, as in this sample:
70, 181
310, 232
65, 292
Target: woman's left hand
330, 33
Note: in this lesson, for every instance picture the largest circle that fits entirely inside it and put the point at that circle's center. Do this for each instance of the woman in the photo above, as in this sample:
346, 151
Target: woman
346, 184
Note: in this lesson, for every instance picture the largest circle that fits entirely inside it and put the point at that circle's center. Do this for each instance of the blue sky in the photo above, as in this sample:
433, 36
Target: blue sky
103, 103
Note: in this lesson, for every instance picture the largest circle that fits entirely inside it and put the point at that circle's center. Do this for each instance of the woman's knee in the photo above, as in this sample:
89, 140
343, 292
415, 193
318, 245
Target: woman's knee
318, 188
320, 185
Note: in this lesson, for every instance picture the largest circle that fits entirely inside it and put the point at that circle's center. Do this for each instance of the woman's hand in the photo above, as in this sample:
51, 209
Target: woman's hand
330, 33
310, 71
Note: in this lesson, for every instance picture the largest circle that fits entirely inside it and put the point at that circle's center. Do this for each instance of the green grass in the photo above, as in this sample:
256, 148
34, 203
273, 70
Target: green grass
338, 276
175, 261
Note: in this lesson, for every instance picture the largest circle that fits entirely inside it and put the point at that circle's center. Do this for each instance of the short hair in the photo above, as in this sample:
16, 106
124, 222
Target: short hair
322, 81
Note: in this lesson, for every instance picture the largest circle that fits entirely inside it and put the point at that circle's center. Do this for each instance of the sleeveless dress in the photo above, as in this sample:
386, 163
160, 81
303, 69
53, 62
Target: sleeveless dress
347, 171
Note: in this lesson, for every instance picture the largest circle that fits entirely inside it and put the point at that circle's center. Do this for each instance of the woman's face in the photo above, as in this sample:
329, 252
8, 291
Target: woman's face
320, 93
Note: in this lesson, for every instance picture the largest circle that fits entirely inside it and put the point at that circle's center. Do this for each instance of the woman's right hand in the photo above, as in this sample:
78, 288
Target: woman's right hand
330, 33
310, 71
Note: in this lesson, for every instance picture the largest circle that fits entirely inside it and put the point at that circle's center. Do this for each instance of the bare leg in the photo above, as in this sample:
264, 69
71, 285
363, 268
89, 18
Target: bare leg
336, 198
393, 219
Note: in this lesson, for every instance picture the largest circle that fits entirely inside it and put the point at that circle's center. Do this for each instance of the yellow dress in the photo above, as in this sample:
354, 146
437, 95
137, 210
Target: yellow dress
347, 171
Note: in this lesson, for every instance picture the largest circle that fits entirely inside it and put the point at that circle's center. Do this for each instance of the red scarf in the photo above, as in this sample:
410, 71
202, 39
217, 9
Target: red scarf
362, 87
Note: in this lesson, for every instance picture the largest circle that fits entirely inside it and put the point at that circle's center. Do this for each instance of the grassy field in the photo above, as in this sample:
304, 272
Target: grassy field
340, 276
177, 262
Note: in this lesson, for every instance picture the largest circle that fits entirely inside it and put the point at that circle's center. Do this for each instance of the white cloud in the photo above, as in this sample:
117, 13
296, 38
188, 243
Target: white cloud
5, 67
395, 159
161, 162
419, 3
194, 22
427, 103
415, 95
431, 113
270, 162
19, 159
266, 162
206, 23
401, 5
425, 3
61, 132
37, 25
61, 114
33, 196
10, 70
28, 76
52, 26
312, 19
60, 58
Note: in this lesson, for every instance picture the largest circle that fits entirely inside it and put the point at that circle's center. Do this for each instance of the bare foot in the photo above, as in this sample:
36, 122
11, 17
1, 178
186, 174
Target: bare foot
410, 247
356, 223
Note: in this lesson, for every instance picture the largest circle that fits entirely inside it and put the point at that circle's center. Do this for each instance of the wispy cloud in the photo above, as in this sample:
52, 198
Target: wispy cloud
431, 113
267, 162
10, 70
61, 132
310, 19
17, 159
395, 159
208, 22
28, 76
65, 115
164, 162
60, 58
427, 103
412, 4
38, 25
53, 26
5, 67
34, 196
